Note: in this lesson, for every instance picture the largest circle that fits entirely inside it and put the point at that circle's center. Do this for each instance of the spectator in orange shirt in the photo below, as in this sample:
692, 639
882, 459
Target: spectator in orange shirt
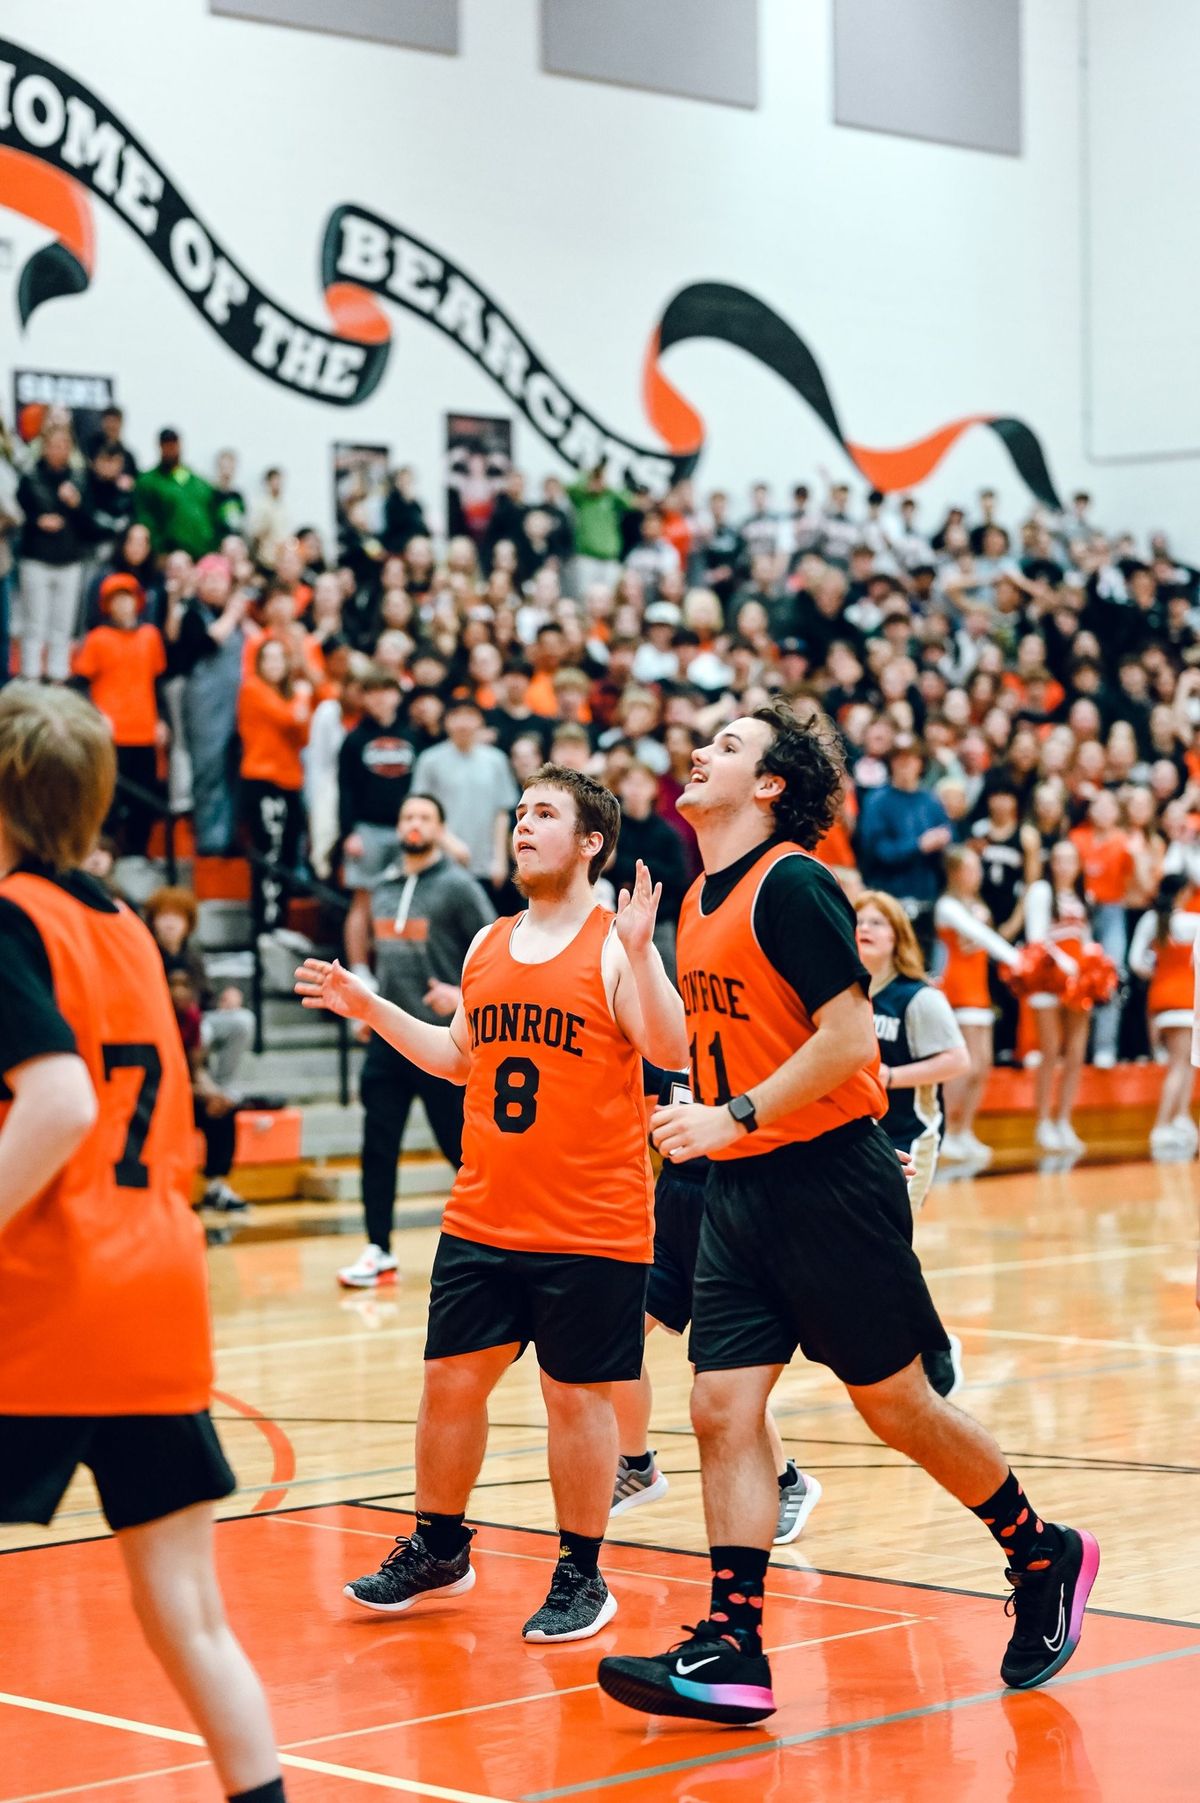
1108, 870
546, 655
274, 710
123, 662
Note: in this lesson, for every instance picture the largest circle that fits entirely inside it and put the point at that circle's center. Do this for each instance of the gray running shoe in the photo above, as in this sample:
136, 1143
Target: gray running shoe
409, 1573
633, 1487
576, 1607
796, 1503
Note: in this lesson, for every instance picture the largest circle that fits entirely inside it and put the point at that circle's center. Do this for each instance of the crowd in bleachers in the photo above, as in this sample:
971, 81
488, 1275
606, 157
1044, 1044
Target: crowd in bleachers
1022, 684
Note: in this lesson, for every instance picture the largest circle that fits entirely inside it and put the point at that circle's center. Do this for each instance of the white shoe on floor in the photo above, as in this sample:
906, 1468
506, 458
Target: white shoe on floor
1186, 1128
796, 1503
372, 1267
976, 1151
1069, 1140
954, 1148
1048, 1138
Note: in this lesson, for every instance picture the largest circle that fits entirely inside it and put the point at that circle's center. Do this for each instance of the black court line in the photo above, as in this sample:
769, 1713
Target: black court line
379, 1504
821, 1571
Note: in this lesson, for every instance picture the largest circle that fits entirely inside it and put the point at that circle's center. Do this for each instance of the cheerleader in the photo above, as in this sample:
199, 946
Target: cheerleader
963, 926
921, 1046
1161, 952
1056, 915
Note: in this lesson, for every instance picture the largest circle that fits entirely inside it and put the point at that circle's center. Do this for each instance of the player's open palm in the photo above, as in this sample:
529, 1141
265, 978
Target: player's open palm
331, 986
637, 912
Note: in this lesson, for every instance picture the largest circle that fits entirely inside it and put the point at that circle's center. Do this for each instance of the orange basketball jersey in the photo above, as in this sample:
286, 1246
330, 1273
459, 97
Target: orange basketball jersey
745, 1020
554, 1148
103, 1284
964, 978
1171, 986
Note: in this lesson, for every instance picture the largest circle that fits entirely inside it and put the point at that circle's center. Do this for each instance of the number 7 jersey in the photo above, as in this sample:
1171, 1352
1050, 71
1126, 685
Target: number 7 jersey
554, 1126
103, 1285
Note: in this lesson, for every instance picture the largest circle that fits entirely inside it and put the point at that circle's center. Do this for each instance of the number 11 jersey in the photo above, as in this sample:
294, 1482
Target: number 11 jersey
554, 1134
103, 1285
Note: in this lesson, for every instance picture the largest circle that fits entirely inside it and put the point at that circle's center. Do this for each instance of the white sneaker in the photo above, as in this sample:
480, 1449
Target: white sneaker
1186, 1128
371, 1268
1175, 1143
955, 1148
976, 1151
1048, 1138
796, 1503
1105, 1061
1069, 1140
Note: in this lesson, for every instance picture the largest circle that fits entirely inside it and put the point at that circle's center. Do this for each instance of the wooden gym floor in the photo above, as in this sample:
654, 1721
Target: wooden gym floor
1074, 1296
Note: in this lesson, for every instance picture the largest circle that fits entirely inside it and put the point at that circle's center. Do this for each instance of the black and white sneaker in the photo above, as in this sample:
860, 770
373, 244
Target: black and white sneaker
1048, 1608
705, 1677
409, 1573
634, 1486
797, 1500
576, 1606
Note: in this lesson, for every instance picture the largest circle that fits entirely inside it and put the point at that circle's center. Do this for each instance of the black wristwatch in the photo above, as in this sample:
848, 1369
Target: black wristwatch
742, 1110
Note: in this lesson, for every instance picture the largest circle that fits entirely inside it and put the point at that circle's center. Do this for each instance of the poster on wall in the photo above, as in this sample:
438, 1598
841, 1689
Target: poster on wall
478, 463
82, 398
360, 491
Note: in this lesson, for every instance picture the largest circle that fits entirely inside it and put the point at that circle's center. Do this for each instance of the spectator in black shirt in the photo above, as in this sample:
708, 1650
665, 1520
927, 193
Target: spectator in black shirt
403, 514
722, 556
53, 543
375, 767
646, 835
107, 502
112, 425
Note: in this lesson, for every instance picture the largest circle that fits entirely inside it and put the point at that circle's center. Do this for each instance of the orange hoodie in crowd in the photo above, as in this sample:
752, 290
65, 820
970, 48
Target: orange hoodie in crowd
274, 731
121, 668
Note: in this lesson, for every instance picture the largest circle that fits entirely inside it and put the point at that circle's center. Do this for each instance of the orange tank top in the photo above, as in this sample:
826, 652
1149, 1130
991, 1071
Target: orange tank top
745, 1020
964, 980
103, 1282
1172, 985
554, 1149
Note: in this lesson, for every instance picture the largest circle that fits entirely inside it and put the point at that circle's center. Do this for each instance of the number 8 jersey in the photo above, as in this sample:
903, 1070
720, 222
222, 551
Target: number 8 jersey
103, 1285
554, 1133
744, 1019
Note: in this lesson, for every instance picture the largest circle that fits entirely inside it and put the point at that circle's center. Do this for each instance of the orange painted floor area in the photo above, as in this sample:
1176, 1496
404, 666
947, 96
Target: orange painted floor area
888, 1692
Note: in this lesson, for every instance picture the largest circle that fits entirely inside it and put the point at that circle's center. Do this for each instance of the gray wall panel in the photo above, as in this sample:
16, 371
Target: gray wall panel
703, 49
417, 24
947, 70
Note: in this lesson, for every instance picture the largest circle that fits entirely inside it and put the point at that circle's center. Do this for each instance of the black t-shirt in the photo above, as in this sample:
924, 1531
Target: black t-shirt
31, 1025
802, 921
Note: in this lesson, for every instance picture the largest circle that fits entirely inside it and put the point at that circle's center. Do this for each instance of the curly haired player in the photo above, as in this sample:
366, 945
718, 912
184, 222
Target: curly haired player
807, 1234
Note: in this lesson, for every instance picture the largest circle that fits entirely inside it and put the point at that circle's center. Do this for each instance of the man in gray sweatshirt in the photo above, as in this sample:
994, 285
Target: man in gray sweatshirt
425, 911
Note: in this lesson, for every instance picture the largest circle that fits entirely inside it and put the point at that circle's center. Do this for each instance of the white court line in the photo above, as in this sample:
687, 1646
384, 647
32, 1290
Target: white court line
380, 1780
1073, 1339
624, 1571
321, 1339
545, 1696
1060, 1258
75, 1790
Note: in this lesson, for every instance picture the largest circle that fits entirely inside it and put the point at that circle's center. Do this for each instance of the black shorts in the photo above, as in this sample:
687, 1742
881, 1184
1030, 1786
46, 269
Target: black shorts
811, 1247
145, 1466
678, 1212
584, 1315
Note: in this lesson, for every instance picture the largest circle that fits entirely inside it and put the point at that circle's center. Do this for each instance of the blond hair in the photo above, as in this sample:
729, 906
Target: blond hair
907, 954
58, 770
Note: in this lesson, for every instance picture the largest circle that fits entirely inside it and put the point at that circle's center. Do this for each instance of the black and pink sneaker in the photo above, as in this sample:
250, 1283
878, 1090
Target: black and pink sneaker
706, 1677
1048, 1607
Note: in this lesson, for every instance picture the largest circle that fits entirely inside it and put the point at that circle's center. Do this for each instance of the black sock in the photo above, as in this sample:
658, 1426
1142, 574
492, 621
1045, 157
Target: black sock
262, 1793
789, 1476
1030, 1543
739, 1573
639, 1462
581, 1550
444, 1535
